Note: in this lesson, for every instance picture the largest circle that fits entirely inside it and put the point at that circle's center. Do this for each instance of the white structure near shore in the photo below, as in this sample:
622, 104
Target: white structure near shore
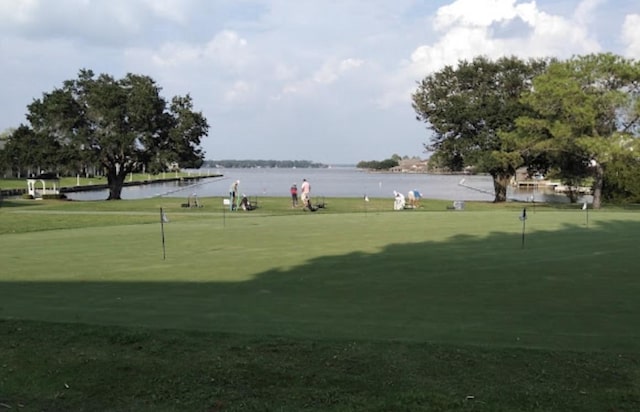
43, 184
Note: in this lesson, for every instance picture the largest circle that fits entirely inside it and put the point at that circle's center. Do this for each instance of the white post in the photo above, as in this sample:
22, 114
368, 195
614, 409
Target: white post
77, 180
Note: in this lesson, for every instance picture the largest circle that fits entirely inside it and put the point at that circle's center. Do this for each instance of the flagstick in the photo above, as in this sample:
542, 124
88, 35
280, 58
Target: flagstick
164, 255
226, 203
524, 220
365, 204
586, 212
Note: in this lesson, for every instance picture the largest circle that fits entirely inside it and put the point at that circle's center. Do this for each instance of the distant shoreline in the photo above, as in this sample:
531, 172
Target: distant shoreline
103, 186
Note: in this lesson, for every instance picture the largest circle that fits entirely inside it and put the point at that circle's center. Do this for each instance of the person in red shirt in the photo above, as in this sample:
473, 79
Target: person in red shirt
294, 195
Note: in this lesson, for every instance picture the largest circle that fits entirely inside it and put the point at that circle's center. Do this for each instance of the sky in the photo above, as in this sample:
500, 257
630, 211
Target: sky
323, 80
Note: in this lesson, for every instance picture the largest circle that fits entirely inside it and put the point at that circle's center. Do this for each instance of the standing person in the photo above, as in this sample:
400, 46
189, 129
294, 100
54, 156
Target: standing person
294, 196
233, 195
416, 198
306, 194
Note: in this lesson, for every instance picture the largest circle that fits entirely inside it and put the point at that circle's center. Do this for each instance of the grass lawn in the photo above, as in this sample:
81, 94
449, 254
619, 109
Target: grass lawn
354, 307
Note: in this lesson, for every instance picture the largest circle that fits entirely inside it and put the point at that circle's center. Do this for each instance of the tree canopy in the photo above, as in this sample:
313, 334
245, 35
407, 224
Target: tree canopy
467, 107
579, 117
120, 125
585, 116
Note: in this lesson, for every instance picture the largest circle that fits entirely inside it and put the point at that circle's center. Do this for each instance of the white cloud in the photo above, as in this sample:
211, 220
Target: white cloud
587, 11
466, 29
17, 12
631, 35
227, 52
239, 92
474, 13
332, 70
110, 23
175, 10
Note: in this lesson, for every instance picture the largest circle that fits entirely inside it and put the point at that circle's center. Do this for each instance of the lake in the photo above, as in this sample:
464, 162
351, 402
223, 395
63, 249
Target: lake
331, 182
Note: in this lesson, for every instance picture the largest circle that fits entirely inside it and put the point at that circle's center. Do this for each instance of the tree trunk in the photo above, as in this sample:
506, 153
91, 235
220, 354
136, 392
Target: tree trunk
500, 183
115, 181
597, 187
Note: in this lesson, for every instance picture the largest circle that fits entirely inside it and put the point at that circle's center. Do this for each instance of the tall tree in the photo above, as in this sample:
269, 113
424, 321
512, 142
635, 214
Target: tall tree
28, 152
4, 163
122, 125
587, 114
468, 107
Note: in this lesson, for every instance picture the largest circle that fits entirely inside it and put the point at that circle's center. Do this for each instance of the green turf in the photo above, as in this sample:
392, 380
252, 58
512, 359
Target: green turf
430, 286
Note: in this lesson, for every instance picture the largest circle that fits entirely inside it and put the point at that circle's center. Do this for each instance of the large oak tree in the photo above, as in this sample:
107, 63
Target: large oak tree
123, 125
586, 113
469, 106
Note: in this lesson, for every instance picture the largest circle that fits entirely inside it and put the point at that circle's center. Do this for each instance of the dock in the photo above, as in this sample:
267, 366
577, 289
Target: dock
549, 185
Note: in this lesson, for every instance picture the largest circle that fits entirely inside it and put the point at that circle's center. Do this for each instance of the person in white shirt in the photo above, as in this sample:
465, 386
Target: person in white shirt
305, 188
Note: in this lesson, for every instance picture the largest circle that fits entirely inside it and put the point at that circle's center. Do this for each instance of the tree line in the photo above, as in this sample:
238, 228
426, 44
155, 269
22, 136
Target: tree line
385, 164
378, 165
577, 119
230, 164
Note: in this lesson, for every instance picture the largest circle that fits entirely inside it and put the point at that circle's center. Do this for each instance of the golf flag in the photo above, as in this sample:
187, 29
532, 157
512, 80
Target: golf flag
584, 206
163, 220
523, 216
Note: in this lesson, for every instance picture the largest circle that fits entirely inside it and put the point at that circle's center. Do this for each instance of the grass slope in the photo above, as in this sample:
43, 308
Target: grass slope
278, 309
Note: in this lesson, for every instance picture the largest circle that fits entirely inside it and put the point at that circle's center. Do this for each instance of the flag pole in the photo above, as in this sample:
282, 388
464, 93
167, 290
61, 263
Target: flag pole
164, 255
523, 217
366, 200
586, 212
225, 204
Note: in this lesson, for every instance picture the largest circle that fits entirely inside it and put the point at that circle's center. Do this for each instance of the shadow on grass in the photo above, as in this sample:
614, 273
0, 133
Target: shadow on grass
574, 288
12, 203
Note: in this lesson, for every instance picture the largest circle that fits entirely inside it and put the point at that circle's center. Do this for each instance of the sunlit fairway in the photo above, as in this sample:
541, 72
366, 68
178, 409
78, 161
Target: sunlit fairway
464, 278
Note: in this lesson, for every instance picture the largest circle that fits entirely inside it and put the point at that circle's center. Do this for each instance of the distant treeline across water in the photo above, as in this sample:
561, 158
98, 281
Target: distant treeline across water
287, 164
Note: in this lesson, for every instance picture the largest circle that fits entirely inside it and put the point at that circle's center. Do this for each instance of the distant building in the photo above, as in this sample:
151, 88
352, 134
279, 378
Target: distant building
413, 165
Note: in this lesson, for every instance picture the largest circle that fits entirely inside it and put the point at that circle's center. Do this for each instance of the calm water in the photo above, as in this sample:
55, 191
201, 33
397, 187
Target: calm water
334, 182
